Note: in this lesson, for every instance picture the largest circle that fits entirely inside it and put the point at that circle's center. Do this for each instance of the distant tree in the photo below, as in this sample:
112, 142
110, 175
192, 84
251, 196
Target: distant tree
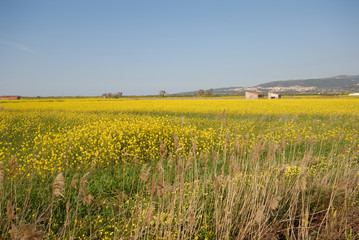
200, 92
162, 93
209, 91
117, 95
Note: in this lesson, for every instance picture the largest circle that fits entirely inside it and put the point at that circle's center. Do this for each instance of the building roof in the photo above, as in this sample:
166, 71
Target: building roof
12, 96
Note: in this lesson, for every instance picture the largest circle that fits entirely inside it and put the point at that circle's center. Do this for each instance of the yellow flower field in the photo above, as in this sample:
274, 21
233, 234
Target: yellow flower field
325, 107
179, 168
72, 133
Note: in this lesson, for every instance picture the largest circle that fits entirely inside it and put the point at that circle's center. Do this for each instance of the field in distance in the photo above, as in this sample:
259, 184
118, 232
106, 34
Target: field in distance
216, 168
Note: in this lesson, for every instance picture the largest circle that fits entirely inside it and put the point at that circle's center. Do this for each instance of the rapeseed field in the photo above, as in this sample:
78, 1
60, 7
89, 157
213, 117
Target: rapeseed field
179, 169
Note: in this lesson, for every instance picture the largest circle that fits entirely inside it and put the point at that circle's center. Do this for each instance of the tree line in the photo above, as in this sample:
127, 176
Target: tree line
161, 93
112, 95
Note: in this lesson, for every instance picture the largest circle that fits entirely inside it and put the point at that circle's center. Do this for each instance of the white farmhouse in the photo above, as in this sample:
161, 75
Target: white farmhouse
274, 95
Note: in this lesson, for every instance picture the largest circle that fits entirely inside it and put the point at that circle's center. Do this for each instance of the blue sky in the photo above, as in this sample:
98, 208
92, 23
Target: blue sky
84, 47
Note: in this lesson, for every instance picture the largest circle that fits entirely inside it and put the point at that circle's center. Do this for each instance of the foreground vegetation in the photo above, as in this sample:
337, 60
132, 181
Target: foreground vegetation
179, 169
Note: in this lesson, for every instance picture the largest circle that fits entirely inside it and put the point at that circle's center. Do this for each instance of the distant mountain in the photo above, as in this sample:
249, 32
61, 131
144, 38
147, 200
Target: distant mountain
343, 82
330, 85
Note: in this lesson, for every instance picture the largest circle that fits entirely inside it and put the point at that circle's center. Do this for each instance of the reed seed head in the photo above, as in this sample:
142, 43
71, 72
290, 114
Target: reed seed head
58, 186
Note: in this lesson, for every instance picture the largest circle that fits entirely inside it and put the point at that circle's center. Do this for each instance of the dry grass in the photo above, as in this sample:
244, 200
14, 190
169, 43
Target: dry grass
214, 196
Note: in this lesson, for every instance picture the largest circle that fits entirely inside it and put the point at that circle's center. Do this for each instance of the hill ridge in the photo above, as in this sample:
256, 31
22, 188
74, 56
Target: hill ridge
339, 84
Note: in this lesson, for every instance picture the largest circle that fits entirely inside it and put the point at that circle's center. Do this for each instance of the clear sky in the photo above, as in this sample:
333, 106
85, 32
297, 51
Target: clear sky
86, 48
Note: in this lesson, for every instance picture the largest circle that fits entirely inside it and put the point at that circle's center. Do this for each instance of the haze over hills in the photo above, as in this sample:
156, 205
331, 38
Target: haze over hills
330, 85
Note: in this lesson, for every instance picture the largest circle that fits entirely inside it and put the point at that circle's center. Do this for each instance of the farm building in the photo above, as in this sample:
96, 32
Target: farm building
9, 97
254, 95
274, 96
353, 94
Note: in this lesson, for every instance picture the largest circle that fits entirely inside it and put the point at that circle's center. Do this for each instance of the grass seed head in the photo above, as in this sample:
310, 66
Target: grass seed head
162, 149
1, 179
74, 181
67, 207
145, 173
58, 186
189, 162
31, 234
10, 211
274, 203
259, 215
88, 199
170, 161
83, 182
176, 141
13, 165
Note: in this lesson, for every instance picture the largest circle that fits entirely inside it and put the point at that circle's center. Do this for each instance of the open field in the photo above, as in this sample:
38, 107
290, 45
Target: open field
179, 169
